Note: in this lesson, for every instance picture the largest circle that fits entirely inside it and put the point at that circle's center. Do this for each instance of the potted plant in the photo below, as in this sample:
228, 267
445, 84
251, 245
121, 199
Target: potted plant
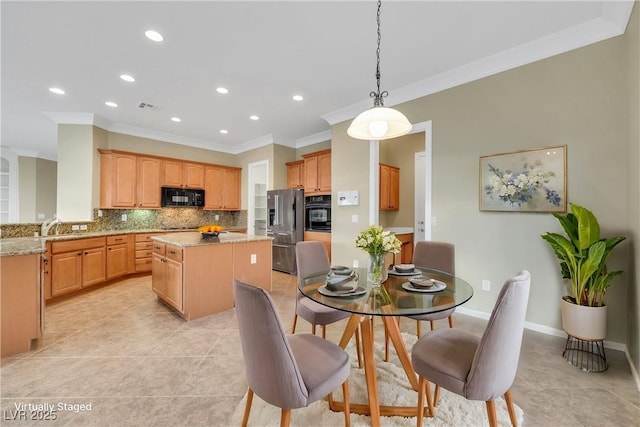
583, 258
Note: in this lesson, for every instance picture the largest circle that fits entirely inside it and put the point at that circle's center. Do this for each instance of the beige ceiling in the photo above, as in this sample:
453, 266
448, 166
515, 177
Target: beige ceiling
263, 52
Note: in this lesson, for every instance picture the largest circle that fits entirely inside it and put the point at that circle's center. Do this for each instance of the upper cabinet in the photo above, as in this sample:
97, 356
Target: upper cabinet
181, 174
389, 188
130, 180
222, 188
295, 174
317, 172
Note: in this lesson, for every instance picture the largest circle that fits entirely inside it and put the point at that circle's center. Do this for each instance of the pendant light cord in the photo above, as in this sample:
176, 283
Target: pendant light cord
378, 96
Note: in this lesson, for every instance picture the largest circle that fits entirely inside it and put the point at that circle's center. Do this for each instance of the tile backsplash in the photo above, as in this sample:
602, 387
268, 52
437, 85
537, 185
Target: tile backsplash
136, 219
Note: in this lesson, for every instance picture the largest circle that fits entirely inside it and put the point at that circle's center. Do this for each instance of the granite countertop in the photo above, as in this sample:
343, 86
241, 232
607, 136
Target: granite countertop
36, 245
185, 239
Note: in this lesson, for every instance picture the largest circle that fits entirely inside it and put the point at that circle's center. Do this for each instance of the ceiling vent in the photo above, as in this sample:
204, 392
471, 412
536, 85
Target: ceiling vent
147, 106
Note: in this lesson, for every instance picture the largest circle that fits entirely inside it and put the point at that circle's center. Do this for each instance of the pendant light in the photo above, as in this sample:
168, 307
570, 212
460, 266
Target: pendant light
379, 122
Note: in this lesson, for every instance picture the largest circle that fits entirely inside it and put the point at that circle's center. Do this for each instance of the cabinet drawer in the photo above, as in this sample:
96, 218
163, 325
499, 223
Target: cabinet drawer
117, 240
144, 246
156, 248
146, 253
145, 237
143, 265
174, 253
78, 244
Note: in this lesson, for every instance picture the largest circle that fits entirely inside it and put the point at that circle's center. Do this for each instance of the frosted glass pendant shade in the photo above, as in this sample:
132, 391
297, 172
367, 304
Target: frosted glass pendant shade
379, 123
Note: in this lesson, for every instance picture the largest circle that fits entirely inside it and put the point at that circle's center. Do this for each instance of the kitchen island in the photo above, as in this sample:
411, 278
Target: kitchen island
195, 276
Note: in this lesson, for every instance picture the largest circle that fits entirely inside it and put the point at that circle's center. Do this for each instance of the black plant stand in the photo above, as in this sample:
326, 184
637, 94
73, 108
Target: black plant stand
586, 355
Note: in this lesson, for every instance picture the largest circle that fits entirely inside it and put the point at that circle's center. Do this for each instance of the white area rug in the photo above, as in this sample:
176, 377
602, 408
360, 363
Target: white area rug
394, 389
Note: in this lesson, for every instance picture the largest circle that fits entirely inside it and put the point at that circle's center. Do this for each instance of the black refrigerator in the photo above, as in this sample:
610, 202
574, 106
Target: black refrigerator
285, 223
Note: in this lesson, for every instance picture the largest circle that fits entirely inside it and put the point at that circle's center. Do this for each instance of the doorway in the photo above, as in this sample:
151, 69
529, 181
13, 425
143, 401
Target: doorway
257, 198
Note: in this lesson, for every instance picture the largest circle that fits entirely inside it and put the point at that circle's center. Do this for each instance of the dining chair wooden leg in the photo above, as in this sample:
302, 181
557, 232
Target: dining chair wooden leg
313, 329
432, 324
295, 320
247, 408
386, 345
436, 396
420, 416
418, 329
347, 407
358, 347
491, 412
285, 418
324, 331
450, 318
510, 408
432, 411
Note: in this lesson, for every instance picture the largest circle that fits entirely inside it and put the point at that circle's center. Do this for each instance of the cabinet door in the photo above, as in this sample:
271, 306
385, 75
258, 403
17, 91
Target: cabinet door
173, 283
295, 174
193, 175
94, 269
384, 188
171, 173
66, 272
148, 182
158, 275
311, 174
324, 172
231, 189
124, 176
213, 192
117, 264
394, 189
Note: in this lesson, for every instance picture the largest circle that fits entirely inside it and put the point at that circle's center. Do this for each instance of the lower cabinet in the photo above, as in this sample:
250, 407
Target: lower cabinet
166, 279
117, 256
76, 264
144, 250
325, 238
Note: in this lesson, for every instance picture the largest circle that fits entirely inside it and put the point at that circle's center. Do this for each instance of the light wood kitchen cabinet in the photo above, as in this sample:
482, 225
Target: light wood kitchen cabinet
389, 188
319, 236
128, 180
222, 188
171, 173
143, 252
406, 250
117, 180
20, 305
167, 279
193, 175
148, 183
117, 256
76, 264
317, 172
295, 174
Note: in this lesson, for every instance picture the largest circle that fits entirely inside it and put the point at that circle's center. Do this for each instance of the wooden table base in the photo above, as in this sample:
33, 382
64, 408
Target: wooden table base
373, 408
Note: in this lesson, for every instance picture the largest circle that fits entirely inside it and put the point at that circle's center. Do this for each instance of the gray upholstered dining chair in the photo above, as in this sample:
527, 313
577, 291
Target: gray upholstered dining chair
477, 368
438, 256
285, 371
311, 260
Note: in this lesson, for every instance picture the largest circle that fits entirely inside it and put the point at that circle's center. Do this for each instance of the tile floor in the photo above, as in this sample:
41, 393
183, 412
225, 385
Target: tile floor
138, 364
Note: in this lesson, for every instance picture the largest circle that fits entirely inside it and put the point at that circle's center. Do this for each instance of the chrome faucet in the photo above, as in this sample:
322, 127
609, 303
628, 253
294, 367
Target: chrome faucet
46, 226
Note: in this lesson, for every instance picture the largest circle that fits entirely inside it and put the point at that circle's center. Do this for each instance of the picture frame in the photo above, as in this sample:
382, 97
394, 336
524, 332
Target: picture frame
533, 180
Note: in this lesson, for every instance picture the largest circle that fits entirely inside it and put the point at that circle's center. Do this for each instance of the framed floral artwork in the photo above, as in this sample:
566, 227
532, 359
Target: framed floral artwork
525, 181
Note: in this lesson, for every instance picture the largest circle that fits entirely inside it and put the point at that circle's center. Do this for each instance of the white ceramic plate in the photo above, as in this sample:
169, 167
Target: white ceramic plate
393, 272
437, 287
357, 290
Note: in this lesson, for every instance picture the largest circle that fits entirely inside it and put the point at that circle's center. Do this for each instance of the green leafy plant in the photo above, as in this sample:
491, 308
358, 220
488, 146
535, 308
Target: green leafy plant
583, 255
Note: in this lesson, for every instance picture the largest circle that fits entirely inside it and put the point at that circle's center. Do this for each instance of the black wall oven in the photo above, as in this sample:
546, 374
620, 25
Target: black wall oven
317, 213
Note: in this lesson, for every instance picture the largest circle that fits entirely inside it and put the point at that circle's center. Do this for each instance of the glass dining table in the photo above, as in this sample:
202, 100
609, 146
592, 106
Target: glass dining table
397, 297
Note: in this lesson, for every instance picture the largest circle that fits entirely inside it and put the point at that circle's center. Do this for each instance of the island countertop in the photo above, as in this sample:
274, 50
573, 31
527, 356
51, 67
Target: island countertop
184, 239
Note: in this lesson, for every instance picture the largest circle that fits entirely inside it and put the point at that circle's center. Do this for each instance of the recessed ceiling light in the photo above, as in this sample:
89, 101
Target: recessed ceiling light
254, 117
176, 119
111, 104
127, 78
297, 97
222, 90
154, 35
224, 131
56, 90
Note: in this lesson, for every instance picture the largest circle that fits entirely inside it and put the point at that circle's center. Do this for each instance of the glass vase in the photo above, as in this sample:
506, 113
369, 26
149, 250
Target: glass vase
377, 272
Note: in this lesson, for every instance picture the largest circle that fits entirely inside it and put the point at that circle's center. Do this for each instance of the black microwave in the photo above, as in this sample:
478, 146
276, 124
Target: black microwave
182, 197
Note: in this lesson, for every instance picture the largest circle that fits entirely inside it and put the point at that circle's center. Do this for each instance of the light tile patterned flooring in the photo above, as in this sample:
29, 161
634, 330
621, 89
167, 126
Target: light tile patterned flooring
139, 364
